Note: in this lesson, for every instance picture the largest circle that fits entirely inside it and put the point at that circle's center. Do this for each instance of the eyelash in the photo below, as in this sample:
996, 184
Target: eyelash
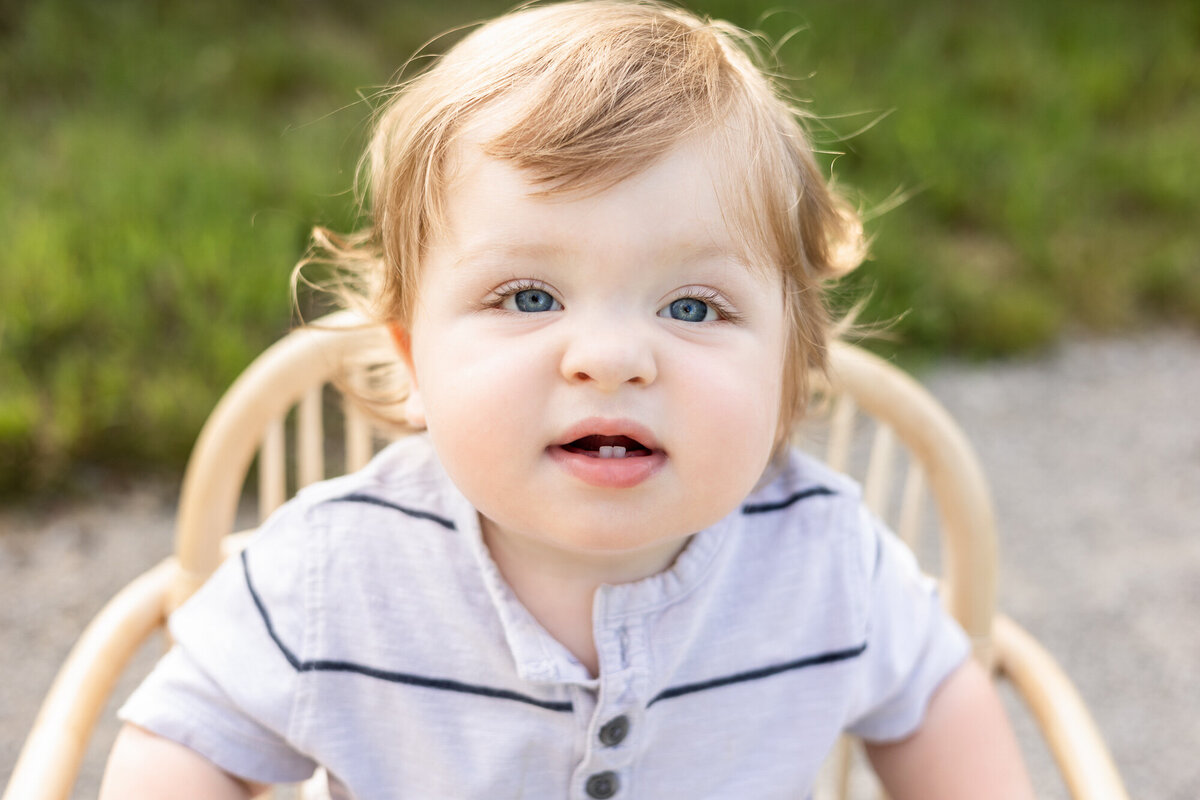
710, 297
497, 296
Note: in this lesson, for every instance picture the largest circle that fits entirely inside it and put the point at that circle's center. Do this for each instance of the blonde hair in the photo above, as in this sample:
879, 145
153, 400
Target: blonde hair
597, 90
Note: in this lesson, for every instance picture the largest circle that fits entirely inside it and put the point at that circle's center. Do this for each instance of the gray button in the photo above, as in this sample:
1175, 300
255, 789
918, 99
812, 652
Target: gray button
603, 785
614, 731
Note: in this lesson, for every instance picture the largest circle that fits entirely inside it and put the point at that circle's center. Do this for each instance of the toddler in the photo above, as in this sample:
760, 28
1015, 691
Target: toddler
599, 240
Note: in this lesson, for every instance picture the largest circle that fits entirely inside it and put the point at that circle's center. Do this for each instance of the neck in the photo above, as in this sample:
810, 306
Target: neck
558, 586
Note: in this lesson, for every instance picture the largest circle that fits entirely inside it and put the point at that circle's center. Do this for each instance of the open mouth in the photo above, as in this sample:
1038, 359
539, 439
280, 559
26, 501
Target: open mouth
605, 453
597, 446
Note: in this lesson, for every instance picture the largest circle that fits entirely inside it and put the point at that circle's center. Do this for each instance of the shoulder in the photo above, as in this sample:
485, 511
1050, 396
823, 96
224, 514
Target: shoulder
349, 562
801, 497
405, 478
398, 511
403, 496
806, 525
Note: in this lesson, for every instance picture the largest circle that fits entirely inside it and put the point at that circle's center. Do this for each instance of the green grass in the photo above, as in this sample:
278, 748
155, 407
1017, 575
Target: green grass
161, 165
1048, 146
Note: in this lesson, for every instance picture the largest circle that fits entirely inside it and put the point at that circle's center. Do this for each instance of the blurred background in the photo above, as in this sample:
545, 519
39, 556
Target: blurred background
1031, 174
1029, 167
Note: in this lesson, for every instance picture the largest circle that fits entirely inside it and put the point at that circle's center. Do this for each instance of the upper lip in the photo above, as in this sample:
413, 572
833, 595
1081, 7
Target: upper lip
603, 426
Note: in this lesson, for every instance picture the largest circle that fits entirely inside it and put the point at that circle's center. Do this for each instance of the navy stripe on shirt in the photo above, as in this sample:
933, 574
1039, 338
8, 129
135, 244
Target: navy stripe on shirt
445, 684
764, 672
779, 505
412, 512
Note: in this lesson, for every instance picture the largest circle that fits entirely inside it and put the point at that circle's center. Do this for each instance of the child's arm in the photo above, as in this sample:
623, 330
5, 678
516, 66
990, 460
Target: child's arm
964, 748
143, 766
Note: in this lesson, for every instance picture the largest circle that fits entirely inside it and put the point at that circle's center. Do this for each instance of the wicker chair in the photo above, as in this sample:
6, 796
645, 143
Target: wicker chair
912, 453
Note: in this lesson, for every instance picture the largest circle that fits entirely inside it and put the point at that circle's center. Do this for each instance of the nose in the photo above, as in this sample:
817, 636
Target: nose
609, 356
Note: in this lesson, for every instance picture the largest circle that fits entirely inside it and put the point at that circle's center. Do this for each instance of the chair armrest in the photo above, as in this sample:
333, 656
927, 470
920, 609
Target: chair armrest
1075, 742
50, 760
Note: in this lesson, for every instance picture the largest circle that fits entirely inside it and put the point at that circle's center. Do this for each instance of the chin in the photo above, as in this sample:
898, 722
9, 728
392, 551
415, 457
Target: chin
614, 539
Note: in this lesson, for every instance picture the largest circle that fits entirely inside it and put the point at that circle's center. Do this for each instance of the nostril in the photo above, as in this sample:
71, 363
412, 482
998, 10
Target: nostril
606, 363
583, 377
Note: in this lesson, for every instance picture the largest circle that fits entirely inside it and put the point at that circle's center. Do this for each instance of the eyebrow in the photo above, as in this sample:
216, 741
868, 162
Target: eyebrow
505, 250
684, 252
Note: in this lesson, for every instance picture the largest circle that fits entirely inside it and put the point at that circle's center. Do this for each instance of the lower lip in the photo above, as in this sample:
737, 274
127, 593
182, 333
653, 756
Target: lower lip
609, 473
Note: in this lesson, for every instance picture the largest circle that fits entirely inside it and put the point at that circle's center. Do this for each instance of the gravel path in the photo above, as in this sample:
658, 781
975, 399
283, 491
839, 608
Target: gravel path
1094, 456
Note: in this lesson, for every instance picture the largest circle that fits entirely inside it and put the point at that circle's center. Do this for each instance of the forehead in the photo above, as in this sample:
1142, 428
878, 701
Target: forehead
692, 201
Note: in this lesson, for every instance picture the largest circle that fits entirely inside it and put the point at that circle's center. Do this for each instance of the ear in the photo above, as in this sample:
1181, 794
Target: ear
403, 343
414, 407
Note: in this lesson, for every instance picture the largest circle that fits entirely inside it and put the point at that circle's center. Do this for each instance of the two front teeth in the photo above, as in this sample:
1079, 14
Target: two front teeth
598, 446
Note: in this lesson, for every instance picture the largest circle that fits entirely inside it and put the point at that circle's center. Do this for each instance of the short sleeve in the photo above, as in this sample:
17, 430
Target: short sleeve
230, 686
913, 644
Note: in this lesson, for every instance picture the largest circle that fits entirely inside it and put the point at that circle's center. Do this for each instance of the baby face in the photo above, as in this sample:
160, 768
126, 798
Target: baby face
600, 373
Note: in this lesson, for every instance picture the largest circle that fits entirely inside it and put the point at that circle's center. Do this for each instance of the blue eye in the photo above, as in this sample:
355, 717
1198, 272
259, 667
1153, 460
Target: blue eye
688, 309
534, 300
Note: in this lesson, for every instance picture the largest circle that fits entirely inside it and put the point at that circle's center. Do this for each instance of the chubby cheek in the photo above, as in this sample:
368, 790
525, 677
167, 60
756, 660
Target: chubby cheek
729, 419
473, 442
481, 412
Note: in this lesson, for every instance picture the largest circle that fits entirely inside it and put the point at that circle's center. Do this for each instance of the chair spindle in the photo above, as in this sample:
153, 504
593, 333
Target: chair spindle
878, 482
912, 505
272, 469
358, 428
310, 438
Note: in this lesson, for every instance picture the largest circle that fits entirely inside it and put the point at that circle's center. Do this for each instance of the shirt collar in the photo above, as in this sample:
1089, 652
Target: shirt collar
537, 655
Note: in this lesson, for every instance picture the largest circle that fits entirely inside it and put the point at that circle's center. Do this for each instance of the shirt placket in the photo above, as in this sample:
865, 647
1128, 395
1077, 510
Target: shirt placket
615, 729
